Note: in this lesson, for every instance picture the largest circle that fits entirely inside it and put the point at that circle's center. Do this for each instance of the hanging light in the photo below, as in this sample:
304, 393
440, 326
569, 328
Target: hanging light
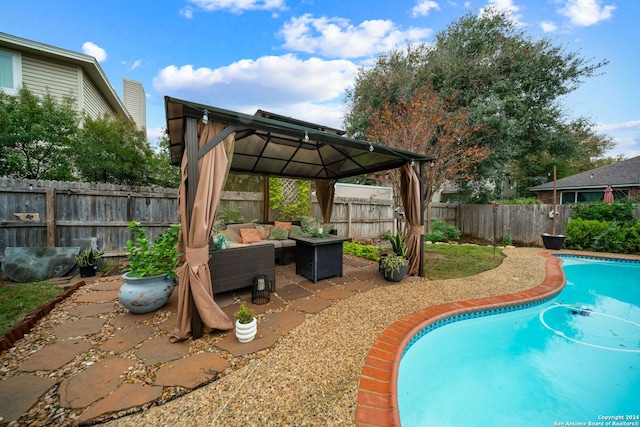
205, 116
370, 147
306, 136
413, 163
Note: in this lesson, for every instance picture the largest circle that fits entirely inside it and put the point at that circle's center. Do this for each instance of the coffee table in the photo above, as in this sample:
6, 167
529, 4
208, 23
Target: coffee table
319, 258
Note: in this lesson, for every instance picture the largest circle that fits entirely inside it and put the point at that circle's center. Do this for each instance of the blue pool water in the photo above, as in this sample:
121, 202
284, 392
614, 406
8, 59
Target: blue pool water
573, 359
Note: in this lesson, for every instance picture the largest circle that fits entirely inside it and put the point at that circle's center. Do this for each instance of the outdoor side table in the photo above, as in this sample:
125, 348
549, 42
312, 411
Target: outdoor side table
319, 258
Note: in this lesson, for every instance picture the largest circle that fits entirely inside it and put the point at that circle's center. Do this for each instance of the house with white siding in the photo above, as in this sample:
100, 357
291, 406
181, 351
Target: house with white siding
40, 68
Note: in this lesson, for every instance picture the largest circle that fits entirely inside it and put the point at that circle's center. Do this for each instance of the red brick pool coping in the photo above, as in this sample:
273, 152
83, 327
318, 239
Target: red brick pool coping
377, 403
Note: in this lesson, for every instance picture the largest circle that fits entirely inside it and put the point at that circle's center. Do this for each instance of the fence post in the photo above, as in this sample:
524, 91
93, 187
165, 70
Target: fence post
349, 219
51, 217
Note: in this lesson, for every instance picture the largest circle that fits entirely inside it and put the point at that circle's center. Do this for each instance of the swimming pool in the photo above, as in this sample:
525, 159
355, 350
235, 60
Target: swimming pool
572, 359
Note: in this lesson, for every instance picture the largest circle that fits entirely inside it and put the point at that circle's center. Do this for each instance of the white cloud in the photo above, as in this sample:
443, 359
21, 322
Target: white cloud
548, 27
337, 37
626, 136
269, 80
632, 125
586, 12
424, 7
187, 12
238, 6
94, 50
136, 64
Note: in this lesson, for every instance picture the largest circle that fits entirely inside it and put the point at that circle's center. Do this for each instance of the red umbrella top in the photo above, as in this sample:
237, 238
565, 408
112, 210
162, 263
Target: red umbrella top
608, 195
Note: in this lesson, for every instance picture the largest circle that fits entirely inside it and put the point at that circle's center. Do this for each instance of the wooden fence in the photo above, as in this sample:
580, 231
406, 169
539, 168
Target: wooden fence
524, 223
52, 213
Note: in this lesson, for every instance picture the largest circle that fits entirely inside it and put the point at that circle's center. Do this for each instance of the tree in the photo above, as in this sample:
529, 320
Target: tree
511, 86
423, 122
112, 150
163, 173
36, 135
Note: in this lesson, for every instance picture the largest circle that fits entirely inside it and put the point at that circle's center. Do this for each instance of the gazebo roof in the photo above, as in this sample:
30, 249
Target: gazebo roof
273, 145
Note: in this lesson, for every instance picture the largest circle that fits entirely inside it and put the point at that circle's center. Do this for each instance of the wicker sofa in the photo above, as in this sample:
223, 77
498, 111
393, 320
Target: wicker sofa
284, 250
236, 268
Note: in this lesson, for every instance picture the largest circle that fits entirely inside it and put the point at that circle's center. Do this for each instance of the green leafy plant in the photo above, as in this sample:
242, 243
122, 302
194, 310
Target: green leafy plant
392, 263
88, 257
289, 210
448, 231
399, 244
506, 238
229, 215
618, 211
360, 250
153, 258
244, 314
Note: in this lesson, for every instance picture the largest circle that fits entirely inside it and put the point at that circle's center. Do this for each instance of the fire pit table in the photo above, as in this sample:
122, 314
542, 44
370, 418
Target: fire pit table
319, 258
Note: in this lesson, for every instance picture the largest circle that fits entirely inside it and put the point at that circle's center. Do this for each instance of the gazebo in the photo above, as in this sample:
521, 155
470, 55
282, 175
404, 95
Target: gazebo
209, 142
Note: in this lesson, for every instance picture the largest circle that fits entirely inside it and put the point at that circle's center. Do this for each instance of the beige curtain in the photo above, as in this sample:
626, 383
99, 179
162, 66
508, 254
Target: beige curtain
325, 190
195, 278
410, 193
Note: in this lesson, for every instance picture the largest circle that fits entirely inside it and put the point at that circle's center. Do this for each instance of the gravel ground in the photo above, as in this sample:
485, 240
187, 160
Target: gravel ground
310, 377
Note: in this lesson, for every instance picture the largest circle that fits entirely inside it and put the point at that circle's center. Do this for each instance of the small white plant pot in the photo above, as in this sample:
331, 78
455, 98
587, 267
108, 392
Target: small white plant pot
246, 332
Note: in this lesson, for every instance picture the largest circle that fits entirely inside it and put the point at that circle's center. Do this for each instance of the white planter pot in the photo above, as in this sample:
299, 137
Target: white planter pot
246, 332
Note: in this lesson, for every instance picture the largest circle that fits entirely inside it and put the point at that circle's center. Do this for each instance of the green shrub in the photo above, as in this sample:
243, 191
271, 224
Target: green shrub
599, 211
448, 231
506, 239
582, 233
360, 250
603, 236
435, 236
633, 238
612, 239
521, 201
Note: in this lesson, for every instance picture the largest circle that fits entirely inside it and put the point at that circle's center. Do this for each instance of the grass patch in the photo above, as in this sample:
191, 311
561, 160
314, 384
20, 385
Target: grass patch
455, 261
20, 299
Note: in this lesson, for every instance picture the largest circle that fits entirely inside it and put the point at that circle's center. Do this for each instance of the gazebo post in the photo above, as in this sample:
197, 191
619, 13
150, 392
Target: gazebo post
191, 145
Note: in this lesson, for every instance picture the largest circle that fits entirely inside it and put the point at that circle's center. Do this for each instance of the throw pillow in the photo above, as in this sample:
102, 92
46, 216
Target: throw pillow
309, 224
231, 235
263, 230
249, 235
296, 231
221, 242
278, 233
282, 224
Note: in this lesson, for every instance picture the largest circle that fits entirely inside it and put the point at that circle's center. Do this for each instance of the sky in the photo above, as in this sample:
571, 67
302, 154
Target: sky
297, 57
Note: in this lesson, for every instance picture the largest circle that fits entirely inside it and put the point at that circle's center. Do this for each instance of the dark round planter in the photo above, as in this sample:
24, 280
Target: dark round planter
88, 270
553, 242
396, 276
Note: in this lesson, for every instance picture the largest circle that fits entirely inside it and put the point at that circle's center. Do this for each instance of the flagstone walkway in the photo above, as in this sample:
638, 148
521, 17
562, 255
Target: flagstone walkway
90, 359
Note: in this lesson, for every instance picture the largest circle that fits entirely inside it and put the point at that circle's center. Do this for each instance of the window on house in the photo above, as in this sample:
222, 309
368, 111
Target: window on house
10, 71
590, 196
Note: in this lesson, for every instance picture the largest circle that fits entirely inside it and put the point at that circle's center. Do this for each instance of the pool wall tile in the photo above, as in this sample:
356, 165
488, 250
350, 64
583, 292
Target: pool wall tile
377, 403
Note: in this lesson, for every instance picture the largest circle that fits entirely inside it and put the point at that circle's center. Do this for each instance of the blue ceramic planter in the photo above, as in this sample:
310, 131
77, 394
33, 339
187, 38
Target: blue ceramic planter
145, 294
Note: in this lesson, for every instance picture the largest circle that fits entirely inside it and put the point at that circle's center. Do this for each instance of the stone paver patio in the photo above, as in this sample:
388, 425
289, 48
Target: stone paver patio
123, 343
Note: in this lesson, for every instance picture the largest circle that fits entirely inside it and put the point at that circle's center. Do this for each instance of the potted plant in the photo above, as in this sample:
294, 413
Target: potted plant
398, 245
246, 324
394, 267
88, 262
553, 241
150, 275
